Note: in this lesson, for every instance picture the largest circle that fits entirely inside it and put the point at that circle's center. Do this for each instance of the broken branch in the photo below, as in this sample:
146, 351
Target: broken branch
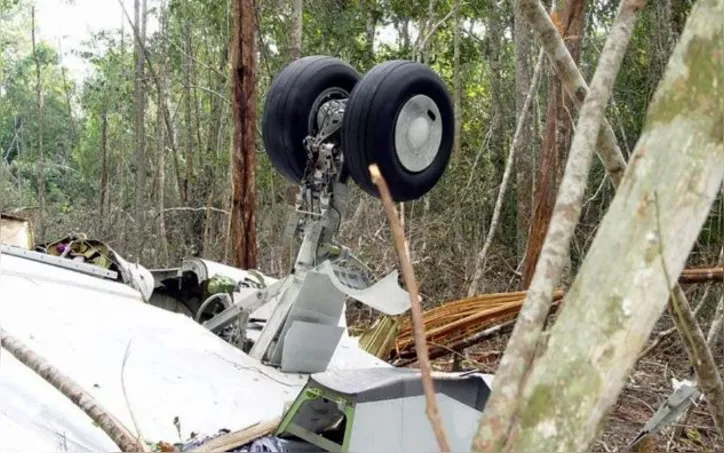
408, 276
109, 424
236, 439
700, 356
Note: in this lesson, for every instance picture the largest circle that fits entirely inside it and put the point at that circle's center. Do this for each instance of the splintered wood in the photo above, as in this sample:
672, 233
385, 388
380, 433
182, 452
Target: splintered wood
450, 326
453, 322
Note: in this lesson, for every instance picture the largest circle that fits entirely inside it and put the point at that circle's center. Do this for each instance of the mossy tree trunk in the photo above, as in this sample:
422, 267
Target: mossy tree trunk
640, 249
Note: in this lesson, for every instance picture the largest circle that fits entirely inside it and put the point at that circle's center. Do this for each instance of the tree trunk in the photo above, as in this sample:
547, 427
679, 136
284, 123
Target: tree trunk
480, 258
139, 131
524, 155
557, 140
161, 171
457, 81
115, 430
429, 23
648, 232
41, 156
573, 82
242, 228
189, 136
296, 29
699, 352
104, 166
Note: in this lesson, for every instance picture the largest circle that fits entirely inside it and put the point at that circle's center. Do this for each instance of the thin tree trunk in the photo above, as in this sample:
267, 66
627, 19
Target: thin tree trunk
161, 171
296, 29
524, 155
243, 215
189, 136
700, 355
496, 102
457, 80
104, 166
139, 40
573, 82
139, 131
502, 407
430, 23
64, 384
557, 139
480, 259
715, 330
41, 155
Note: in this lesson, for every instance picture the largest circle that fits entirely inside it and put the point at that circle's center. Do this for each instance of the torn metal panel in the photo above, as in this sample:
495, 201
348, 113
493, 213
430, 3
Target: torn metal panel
685, 395
383, 409
175, 368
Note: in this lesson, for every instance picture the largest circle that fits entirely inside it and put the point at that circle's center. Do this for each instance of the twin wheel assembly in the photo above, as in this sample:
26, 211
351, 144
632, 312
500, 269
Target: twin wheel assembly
398, 116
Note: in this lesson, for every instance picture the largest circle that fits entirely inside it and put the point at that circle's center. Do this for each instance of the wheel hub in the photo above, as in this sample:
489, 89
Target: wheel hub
418, 133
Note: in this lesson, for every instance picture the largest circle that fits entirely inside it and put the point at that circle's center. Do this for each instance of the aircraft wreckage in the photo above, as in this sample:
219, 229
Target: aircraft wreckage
177, 357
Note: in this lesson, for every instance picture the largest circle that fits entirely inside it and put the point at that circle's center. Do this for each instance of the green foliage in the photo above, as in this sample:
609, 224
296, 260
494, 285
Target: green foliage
77, 120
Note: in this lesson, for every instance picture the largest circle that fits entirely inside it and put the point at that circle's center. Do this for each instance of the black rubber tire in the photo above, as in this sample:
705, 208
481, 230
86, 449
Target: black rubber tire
368, 132
289, 102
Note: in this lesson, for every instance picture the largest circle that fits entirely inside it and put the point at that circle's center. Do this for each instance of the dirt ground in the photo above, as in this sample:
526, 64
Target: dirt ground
648, 386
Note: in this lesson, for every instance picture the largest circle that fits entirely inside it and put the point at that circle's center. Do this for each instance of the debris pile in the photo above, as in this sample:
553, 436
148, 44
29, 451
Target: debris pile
456, 325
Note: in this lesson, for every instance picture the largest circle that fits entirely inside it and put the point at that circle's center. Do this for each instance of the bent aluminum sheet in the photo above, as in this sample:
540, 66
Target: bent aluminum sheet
176, 368
385, 295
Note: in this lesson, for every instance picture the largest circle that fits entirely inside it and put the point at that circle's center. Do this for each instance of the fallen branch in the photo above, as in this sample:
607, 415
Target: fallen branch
408, 276
690, 276
502, 408
458, 348
236, 439
109, 424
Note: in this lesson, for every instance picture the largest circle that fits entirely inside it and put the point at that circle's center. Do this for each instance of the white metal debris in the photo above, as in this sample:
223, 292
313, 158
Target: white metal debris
176, 368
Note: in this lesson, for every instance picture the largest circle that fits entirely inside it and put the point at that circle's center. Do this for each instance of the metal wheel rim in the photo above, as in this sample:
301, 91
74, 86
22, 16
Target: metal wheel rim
418, 133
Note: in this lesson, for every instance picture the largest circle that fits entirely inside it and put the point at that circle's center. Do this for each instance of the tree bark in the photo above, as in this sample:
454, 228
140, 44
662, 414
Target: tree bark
501, 408
524, 155
648, 232
569, 20
296, 29
573, 82
115, 430
243, 215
